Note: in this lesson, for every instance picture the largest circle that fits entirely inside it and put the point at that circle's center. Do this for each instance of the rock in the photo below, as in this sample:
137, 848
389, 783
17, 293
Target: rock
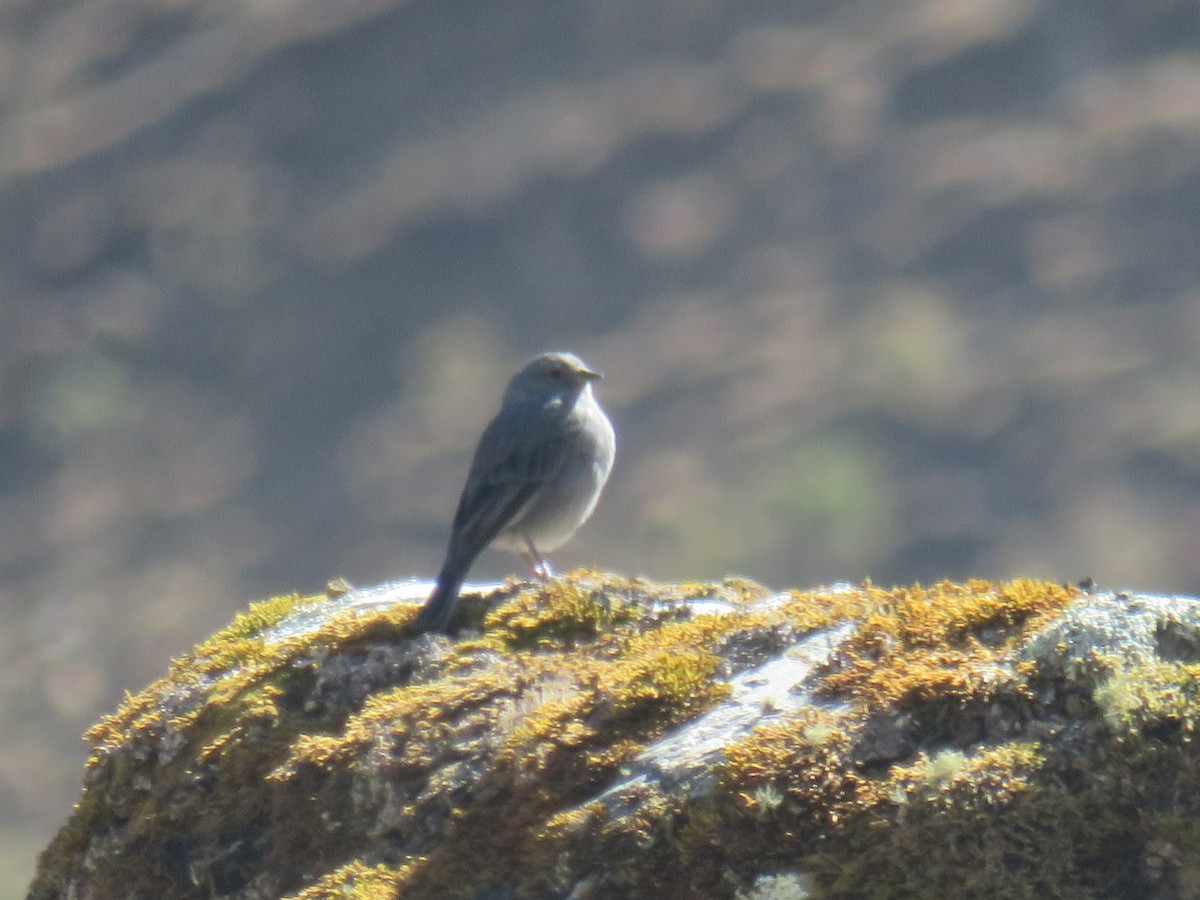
599, 737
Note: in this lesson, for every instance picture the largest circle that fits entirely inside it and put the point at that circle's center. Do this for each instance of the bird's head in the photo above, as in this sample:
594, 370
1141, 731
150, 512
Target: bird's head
552, 375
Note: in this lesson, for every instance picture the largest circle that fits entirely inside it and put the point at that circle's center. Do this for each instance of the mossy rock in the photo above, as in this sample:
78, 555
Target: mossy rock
597, 736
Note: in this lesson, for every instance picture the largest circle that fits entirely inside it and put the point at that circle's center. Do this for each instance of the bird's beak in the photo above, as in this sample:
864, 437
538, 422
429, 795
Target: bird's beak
591, 374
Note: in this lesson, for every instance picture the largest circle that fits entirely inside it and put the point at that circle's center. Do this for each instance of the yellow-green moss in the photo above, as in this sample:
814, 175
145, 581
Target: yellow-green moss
941, 643
973, 821
999, 821
1153, 696
355, 881
816, 775
212, 676
482, 757
566, 686
558, 614
668, 671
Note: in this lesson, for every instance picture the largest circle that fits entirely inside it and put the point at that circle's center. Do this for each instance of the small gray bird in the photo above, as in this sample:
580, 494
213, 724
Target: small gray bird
536, 476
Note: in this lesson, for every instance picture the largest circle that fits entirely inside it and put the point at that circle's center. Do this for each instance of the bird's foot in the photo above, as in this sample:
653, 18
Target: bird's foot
538, 566
539, 569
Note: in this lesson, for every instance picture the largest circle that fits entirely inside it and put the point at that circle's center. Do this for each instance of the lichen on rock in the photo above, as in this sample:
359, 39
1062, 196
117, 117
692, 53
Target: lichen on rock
597, 736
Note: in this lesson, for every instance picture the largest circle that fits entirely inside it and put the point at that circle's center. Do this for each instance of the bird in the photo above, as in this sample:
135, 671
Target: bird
536, 476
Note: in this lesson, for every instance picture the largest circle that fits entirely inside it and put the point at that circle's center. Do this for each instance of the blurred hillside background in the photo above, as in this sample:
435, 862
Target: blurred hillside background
906, 289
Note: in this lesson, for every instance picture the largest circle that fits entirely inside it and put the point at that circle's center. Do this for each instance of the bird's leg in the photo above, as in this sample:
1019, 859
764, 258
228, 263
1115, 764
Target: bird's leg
536, 562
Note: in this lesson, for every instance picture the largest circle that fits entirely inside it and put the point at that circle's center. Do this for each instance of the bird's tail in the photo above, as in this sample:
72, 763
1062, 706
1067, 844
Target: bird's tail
439, 608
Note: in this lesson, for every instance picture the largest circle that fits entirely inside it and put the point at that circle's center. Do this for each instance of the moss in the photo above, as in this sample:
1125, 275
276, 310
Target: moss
1014, 818
355, 881
786, 886
1152, 698
561, 613
814, 775
413, 718
666, 673
999, 822
478, 746
1009, 818
916, 644
453, 768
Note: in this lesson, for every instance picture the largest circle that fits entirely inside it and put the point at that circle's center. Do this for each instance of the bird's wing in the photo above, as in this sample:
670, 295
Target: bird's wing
515, 457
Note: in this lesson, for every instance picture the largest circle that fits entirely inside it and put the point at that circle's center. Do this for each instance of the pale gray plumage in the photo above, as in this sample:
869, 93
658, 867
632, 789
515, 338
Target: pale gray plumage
536, 476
